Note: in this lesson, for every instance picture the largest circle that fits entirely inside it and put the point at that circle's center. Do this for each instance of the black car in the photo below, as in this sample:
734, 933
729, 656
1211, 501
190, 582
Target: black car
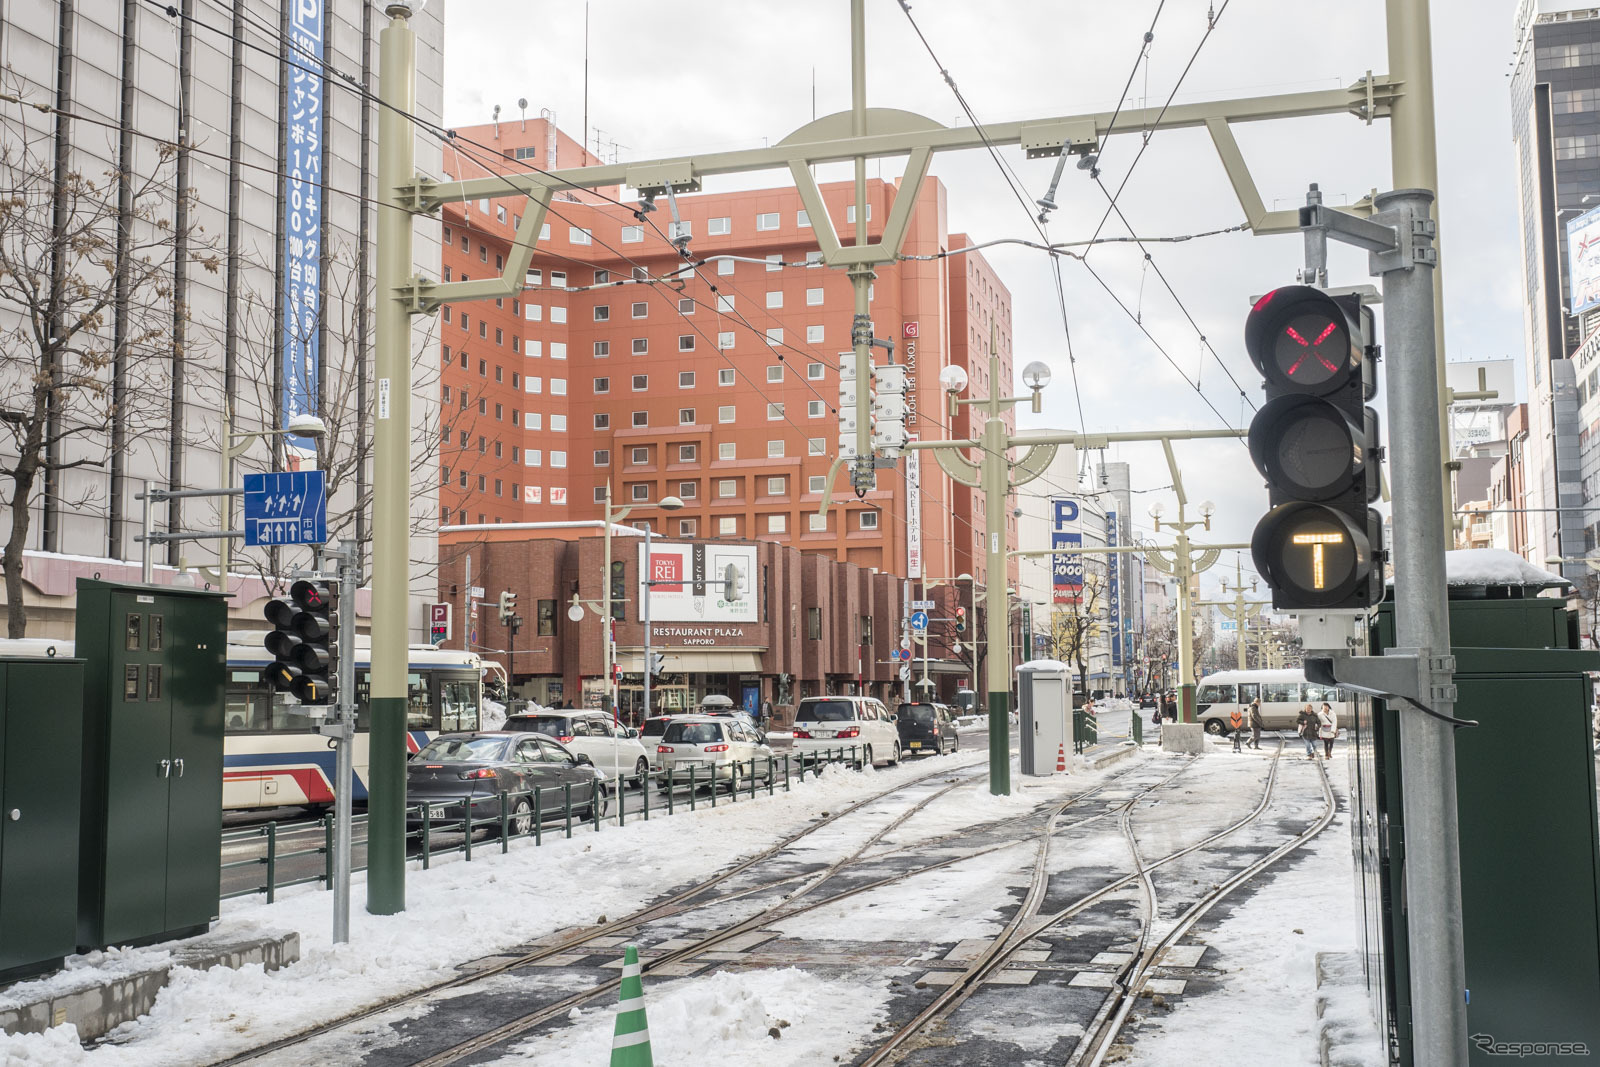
457, 768
926, 729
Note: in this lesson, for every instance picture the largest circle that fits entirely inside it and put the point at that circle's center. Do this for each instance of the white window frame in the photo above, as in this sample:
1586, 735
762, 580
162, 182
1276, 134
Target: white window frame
641, 346
727, 488
777, 524
726, 413
725, 376
816, 446
862, 522
814, 335
686, 379
579, 236
725, 340
775, 449
774, 411
632, 234
533, 384
815, 372
639, 455
728, 526
558, 459
816, 409
724, 266
686, 416
719, 227
779, 482
816, 483
774, 372
686, 453
689, 490
817, 523
558, 387
775, 299
727, 450
639, 309
533, 457
768, 220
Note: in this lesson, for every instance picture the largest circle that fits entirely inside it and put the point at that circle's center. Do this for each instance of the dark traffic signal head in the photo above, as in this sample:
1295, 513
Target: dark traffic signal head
301, 642
1316, 443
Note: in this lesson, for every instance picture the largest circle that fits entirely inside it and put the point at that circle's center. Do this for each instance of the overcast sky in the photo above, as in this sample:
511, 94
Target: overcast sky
723, 74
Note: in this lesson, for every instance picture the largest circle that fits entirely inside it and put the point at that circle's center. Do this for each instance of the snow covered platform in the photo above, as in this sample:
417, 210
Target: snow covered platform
98, 992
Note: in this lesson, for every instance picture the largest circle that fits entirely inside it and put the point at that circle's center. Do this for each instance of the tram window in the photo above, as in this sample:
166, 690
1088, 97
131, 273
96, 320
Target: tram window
458, 702
419, 708
1281, 692
1217, 694
290, 718
1319, 693
246, 706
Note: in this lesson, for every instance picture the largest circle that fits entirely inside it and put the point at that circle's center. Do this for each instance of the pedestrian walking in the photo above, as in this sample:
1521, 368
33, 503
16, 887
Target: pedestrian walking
1236, 720
1306, 727
1327, 728
1256, 723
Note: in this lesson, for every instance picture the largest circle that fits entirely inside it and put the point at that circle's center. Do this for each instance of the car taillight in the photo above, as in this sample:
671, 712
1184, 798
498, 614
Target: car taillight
854, 731
663, 748
567, 740
481, 772
716, 748
935, 731
802, 733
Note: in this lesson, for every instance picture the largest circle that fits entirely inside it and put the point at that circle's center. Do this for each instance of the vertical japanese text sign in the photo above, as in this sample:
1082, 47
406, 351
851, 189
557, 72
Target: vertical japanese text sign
302, 214
1066, 568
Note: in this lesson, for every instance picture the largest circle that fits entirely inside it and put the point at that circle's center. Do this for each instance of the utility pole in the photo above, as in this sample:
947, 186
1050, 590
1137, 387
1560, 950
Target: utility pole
1183, 565
341, 731
1240, 610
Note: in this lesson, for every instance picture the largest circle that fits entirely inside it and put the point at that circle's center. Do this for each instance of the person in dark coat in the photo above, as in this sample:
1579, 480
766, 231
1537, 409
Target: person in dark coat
1306, 727
1256, 723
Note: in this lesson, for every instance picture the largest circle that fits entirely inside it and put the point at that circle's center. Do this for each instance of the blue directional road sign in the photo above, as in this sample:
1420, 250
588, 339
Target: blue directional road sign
285, 508
919, 620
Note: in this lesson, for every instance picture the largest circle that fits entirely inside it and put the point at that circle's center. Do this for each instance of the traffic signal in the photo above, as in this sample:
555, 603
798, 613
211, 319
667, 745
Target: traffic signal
301, 642
961, 620
1315, 441
658, 660
508, 606
848, 413
889, 409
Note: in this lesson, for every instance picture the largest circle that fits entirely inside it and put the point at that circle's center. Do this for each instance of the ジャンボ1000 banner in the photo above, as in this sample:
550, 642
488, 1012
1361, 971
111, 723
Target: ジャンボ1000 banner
691, 582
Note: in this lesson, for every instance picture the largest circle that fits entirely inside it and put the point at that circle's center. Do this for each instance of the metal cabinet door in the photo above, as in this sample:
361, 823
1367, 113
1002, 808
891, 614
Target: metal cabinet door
138, 775
195, 650
41, 760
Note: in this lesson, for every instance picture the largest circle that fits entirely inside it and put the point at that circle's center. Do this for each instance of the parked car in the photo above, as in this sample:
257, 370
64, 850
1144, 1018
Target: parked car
615, 750
926, 729
711, 745
845, 721
454, 769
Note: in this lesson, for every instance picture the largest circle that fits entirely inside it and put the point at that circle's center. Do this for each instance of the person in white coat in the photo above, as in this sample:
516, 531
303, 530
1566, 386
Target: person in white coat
1327, 728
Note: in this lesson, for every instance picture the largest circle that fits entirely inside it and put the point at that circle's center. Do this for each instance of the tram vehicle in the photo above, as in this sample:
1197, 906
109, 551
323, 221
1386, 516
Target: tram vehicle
1282, 693
272, 753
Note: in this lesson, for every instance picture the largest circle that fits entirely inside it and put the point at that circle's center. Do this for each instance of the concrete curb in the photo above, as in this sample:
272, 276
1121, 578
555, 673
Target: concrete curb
1346, 1034
99, 1003
1098, 757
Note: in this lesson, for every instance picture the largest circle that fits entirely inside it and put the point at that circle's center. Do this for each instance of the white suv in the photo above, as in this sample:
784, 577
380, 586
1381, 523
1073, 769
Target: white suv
614, 750
822, 723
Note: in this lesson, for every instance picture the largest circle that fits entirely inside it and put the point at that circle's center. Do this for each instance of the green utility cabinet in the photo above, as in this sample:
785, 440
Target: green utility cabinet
152, 761
41, 753
1530, 838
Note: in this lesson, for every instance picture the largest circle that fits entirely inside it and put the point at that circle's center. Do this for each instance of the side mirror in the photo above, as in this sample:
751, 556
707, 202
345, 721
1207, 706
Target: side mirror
894, 718
632, 732
582, 759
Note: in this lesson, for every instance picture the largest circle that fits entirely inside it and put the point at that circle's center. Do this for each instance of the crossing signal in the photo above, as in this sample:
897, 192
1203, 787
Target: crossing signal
1315, 441
658, 661
508, 606
302, 642
961, 620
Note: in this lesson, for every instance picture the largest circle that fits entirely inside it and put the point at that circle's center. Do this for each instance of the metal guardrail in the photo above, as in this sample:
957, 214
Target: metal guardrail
1085, 730
551, 813
1136, 726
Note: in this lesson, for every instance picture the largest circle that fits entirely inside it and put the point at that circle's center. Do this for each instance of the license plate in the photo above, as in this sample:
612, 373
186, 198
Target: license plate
436, 813
916, 744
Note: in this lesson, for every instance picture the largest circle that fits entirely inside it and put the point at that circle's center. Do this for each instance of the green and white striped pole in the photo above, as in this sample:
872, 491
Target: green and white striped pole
630, 1043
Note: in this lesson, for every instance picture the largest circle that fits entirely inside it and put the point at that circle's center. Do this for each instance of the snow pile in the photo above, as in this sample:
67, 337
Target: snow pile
1494, 566
493, 716
728, 1017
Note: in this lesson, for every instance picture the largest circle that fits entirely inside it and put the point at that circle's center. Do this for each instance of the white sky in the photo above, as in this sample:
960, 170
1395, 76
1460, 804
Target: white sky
722, 74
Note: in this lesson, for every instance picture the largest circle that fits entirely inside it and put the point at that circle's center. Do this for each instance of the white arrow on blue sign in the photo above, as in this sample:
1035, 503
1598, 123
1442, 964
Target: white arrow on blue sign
285, 508
919, 620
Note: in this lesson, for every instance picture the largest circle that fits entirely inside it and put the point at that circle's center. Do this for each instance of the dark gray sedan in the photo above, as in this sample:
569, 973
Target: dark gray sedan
456, 770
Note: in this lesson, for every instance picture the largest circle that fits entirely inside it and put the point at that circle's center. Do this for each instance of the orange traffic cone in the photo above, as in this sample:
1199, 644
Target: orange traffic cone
1061, 757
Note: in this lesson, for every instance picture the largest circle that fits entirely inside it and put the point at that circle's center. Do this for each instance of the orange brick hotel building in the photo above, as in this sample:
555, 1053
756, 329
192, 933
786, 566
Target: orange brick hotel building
721, 389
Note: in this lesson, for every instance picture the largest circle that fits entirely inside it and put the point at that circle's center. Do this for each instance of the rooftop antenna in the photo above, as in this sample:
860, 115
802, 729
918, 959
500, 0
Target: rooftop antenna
585, 126
496, 121
522, 106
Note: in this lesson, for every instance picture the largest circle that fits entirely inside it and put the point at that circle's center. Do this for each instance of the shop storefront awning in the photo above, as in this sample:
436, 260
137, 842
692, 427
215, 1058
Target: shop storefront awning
697, 661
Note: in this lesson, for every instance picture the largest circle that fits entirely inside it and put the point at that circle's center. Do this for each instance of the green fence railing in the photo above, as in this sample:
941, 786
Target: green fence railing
503, 815
1085, 730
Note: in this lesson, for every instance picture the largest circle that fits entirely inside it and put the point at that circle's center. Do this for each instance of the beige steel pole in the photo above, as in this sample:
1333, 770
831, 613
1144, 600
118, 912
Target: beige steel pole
391, 482
996, 479
861, 275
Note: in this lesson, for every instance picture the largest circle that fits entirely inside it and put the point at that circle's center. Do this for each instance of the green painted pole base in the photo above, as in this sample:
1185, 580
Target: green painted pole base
1000, 744
630, 1041
1186, 703
386, 807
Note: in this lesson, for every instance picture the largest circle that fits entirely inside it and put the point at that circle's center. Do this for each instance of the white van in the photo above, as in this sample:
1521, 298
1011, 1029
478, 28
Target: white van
847, 721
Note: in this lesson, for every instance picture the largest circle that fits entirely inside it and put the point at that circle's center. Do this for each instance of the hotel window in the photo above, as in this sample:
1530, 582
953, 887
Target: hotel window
499, 487
447, 394
774, 262
534, 421
602, 313
813, 259
774, 449
725, 376
535, 277
602, 457
816, 483
869, 520
686, 527
686, 305
483, 486
463, 479
641, 491
774, 412
533, 457
802, 219
558, 313
483, 329
534, 350
640, 309
719, 227
532, 384
641, 382
602, 277
602, 349
724, 266
813, 335
558, 424
558, 278
641, 419
814, 371
818, 523
727, 450
725, 339
728, 526
684, 228
777, 524
579, 236
686, 342
775, 299
641, 274
602, 385
688, 490
641, 345
686, 379
558, 387
632, 234
483, 254
483, 406
725, 413
499, 413
558, 459
499, 372
775, 336
602, 420
775, 372
727, 487
599, 494
850, 213
686, 416
814, 624
639, 456
775, 486
816, 409
815, 446
724, 303
533, 312
686, 453
483, 368
767, 221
